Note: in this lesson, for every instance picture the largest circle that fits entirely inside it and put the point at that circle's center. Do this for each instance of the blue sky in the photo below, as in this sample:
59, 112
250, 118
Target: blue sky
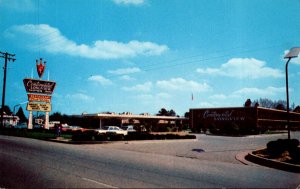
144, 55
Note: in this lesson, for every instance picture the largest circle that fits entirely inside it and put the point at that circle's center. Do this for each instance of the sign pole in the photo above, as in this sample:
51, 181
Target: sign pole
47, 120
30, 120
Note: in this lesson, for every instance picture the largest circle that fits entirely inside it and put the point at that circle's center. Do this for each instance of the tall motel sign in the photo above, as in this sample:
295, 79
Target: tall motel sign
39, 94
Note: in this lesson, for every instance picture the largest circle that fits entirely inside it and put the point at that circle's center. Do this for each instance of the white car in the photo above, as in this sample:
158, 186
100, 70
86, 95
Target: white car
112, 129
129, 128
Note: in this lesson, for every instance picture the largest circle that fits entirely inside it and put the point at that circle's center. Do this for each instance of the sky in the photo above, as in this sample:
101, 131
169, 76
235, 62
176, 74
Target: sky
143, 55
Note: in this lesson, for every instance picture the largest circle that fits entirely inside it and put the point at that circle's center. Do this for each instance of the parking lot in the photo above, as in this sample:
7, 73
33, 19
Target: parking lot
204, 147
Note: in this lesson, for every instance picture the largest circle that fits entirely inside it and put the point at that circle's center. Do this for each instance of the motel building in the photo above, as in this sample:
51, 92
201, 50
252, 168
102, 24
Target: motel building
241, 120
10, 120
147, 121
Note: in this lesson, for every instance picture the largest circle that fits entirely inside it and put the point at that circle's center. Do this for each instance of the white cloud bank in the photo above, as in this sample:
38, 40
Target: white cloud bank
146, 87
129, 2
180, 84
243, 68
174, 84
80, 96
19, 5
269, 91
124, 71
100, 79
49, 39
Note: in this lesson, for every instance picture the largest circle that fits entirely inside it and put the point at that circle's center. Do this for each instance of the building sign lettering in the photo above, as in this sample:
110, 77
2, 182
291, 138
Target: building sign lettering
31, 106
227, 115
39, 98
39, 86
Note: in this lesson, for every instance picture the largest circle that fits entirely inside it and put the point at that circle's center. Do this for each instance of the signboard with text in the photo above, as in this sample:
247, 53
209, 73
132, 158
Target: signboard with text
39, 86
39, 98
31, 106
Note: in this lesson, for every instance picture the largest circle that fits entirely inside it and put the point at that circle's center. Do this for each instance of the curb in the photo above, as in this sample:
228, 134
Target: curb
65, 141
272, 163
78, 142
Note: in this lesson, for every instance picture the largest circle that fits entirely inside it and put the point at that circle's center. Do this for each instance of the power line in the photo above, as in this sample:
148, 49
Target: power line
8, 57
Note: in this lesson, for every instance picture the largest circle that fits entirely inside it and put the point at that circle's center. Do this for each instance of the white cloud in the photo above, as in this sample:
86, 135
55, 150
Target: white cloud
269, 91
151, 98
19, 5
80, 97
100, 79
218, 97
123, 71
156, 101
127, 78
180, 84
49, 39
243, 68
129, 2
146, 87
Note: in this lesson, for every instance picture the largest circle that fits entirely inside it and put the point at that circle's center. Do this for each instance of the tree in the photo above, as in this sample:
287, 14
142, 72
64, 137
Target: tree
264, 102
267, 103
297, 109
21, 115
162, 112
280, 106
172, 113
165, 112
6, 110
187, 114
247, 103
56, 116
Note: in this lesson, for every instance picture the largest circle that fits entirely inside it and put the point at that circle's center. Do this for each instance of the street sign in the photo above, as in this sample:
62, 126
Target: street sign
39, 86
39, 98
31, 106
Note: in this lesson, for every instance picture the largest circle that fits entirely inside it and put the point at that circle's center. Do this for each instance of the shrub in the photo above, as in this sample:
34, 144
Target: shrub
276, 148
84, 136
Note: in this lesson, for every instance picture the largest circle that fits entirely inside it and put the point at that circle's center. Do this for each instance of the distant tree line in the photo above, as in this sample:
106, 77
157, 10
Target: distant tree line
273, 104
165, 112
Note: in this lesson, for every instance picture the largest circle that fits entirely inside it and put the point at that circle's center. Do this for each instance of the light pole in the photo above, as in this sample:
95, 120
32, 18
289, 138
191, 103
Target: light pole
293, 53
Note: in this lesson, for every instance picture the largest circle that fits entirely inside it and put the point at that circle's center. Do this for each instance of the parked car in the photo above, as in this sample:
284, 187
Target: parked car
129, 128
112, 129
75, 128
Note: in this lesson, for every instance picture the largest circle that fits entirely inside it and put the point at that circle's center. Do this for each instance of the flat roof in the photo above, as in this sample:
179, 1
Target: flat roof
132, 116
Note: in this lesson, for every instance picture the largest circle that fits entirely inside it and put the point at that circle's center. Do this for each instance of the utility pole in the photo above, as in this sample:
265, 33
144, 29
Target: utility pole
7, 57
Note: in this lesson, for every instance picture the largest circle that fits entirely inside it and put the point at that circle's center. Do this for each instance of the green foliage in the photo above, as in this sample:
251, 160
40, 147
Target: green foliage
276, 148
93, 136
6, 110
21, 115
165, 112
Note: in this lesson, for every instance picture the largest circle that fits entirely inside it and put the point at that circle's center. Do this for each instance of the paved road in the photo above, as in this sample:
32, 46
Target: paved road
32, 163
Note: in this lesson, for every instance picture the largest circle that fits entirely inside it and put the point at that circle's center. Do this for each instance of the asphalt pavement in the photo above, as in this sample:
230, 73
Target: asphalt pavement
201, 163
204, 147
